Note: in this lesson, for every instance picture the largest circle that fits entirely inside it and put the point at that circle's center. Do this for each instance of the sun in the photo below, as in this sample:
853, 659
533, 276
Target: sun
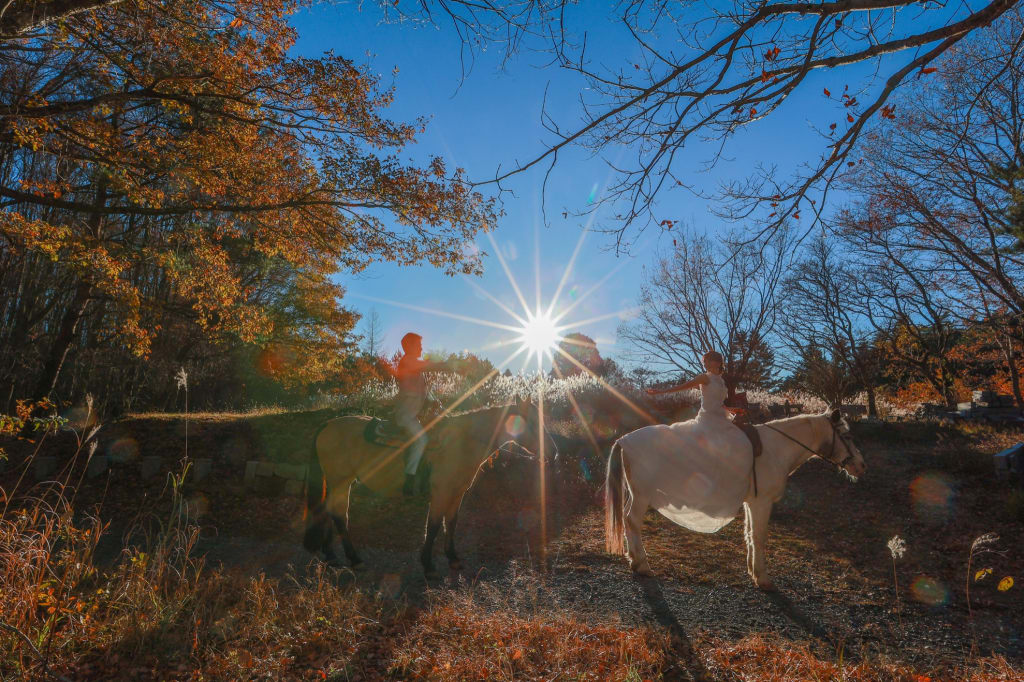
539, 334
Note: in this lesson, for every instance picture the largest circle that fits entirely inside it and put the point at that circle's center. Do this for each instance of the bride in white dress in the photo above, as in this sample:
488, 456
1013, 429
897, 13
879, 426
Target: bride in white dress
713, 391
702, 466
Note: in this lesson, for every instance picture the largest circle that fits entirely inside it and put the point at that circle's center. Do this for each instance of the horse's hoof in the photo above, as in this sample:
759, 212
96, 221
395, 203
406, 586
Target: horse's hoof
644, 571
766, 586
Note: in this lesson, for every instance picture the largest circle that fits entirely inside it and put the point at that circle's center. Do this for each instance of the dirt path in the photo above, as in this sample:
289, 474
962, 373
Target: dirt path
827, 553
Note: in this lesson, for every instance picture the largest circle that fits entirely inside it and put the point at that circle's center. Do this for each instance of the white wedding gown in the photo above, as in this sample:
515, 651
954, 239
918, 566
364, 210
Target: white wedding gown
698, 471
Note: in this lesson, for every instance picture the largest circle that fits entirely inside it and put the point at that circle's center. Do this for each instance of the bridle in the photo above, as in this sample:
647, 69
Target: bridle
836, 436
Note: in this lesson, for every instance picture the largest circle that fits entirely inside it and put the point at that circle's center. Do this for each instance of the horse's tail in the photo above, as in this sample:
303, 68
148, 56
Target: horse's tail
317, 521
613, 487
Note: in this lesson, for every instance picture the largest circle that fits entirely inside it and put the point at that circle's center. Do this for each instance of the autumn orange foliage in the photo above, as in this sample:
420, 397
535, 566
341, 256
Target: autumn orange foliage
170, 164
759, 657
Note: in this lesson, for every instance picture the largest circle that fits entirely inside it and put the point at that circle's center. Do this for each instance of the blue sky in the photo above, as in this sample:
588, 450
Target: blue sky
492, 118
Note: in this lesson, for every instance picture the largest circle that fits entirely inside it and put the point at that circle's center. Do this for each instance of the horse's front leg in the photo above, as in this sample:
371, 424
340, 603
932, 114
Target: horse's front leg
748, 539
339, 514
434, 519
759, 513
451, 520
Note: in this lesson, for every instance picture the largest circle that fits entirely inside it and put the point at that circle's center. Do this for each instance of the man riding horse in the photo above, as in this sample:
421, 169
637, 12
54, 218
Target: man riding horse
412, 395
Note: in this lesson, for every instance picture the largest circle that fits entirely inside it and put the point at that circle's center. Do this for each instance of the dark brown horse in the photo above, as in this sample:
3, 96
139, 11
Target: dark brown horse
459, 445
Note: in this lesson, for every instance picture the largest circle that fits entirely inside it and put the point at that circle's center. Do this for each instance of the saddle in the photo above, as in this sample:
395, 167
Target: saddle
739, 405
387, 433
755, 442
753, 435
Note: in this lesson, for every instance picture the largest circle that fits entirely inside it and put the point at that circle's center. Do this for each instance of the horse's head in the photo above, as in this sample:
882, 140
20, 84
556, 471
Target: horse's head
845, 454
523, 425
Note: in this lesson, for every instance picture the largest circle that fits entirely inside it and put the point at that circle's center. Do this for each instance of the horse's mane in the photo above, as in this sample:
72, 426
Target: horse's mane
796, 417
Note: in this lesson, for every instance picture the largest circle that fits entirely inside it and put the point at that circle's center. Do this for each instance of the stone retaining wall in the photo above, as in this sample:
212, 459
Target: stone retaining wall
269, 478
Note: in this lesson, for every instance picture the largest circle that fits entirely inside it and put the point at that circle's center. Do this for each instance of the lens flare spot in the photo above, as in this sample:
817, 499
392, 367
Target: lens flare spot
698, 487
526, 518
585, 470
593, 194
123, 450
932, 495
627, 310
236, 449
195, 506
78, 417
574, 292
390, 585
515, 425
274, 360
930, 591
794, 498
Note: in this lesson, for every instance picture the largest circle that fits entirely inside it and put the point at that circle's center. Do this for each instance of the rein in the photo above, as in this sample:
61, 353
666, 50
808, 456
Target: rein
830, 458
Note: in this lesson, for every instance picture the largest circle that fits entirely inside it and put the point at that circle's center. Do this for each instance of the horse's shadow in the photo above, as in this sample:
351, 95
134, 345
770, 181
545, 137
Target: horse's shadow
686, 665
686, 658
793, 612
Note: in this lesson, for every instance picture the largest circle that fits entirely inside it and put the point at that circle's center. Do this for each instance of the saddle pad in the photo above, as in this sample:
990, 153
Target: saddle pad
381, 432
386, 433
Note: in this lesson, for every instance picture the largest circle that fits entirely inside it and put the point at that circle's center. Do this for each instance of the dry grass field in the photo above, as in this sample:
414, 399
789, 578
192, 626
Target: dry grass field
163, 578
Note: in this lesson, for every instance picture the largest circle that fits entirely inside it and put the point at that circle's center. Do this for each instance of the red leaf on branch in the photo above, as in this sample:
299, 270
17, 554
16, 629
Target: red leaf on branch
849, 118
827, 93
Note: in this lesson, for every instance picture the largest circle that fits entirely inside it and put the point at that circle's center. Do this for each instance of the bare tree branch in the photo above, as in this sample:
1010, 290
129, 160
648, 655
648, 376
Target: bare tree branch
736, 67
18, 17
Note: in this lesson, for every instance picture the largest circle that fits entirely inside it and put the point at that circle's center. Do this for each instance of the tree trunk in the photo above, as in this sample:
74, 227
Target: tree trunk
73, 316
62, 342
1011, 366
872, 402
945, 386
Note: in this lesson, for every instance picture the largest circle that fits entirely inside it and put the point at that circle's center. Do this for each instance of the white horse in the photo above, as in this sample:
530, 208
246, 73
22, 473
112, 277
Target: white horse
638, 478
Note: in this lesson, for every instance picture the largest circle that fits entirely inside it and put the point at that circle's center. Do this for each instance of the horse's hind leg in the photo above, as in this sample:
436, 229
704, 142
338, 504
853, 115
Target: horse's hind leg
634, 521
338, 510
